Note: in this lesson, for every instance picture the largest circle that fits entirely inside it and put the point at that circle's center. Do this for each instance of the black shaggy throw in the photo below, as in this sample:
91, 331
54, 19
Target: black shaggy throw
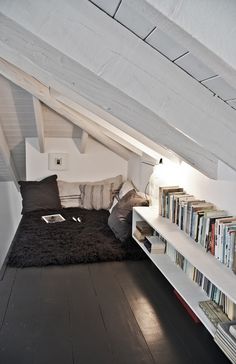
39, 244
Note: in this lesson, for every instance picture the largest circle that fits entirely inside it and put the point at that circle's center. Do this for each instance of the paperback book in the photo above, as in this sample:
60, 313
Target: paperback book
51, 219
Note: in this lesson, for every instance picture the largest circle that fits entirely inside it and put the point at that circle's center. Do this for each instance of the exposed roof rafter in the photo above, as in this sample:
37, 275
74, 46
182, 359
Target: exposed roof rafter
71, 78
41, 92
83, 142
112, 132
6, 154
39, 123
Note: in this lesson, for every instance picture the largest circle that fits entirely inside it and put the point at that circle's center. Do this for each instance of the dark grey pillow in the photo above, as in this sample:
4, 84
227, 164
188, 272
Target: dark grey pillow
40, 195
120, 219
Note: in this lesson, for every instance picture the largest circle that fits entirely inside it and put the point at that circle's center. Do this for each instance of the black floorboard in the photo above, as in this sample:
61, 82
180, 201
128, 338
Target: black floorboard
119, 312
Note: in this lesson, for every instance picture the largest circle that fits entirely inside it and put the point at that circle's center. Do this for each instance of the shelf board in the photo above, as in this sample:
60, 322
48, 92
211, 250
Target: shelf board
214, 270
187, 289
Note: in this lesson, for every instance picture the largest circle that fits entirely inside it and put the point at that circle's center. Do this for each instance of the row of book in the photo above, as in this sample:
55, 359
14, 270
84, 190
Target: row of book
221, 300
213, 312
226, 339
213, 229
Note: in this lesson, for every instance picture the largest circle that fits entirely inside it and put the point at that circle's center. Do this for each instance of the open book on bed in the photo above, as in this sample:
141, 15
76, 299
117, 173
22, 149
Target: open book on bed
49, 219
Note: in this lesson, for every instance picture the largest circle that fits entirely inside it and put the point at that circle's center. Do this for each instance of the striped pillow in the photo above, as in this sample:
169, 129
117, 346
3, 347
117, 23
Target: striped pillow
96, 196
70, 194
89, 195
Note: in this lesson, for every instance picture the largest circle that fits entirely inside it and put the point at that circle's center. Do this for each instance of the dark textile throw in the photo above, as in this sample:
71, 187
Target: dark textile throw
69, 242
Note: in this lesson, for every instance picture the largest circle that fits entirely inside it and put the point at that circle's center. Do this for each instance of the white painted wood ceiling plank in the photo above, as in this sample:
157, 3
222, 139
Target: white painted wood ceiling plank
109, 6
135, 18
195, 67
232, 103
166, 45
221, 88
58, 127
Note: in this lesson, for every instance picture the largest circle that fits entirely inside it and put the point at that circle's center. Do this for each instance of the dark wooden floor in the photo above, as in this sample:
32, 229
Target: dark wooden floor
108, 313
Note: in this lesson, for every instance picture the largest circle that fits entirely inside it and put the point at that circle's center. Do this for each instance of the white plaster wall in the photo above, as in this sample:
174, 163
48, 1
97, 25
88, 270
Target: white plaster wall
139, 173
95, 164
10, 215
221, 192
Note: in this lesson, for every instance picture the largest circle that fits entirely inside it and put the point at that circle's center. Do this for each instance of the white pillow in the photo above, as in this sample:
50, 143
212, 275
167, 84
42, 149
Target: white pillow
126, 187
70, 194
115, 200
90, 195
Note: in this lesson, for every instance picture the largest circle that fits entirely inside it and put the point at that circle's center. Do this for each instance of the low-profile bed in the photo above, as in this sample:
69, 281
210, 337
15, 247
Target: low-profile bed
88, 240
69, 242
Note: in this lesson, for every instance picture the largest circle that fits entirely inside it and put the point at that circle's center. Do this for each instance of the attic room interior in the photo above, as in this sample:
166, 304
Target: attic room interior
117, 181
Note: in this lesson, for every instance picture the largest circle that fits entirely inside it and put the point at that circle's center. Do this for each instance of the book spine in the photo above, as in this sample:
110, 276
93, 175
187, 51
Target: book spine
212, 243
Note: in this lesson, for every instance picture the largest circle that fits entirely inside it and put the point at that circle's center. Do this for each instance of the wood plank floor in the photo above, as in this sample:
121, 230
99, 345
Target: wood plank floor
116, 313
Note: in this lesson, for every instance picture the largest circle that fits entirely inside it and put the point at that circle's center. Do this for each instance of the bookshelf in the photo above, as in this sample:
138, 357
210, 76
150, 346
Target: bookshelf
221, 276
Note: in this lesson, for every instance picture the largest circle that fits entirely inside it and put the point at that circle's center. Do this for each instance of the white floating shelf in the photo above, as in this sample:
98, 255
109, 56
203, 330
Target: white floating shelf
221, 276
187, 289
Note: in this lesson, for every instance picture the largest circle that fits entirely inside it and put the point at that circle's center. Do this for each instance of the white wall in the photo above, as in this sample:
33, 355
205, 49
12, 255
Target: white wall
10, 214
221, 192
96, 163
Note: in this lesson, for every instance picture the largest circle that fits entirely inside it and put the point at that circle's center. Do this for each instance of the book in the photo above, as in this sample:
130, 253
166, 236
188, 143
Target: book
155, 245
163, 202
226, 340
232, 330
195, 208
219, 229
178, 210
208, 229
182, 200
188, 213
232, 259
51, 219
144, 227
172, 204
228, 229
139, 236
213, 312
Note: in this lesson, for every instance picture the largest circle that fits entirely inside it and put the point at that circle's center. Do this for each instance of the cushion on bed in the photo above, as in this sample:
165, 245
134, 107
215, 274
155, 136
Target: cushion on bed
96, 196
120, 219
125, 188
70, 194
40, 195
89, 195
115, 181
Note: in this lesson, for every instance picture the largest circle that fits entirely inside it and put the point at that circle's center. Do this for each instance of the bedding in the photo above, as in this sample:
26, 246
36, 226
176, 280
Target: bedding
40, 244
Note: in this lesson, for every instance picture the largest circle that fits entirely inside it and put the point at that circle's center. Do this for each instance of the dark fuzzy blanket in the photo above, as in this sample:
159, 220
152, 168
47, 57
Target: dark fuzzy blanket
40, 244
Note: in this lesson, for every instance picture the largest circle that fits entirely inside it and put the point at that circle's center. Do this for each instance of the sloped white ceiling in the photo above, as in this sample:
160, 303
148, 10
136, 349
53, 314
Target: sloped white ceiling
116, 56
18, 122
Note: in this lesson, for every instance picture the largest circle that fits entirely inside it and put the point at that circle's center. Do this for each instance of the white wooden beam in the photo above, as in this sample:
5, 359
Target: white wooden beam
213, 50
41, 92
91, 129
117, 64
39, 123
163, 115
7, 158
117, 127
122, 141
112, 132
83, 141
